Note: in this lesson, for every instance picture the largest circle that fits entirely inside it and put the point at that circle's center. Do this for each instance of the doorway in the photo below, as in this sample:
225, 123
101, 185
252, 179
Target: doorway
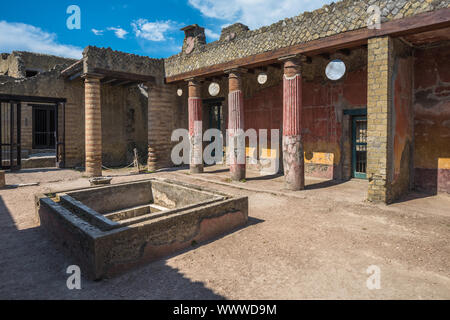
44, 127
215, 116
359, 147
10, 150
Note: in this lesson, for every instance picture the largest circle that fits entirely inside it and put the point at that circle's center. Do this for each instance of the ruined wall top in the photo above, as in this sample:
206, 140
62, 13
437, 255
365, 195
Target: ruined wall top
345, 15
108, 59
18, 63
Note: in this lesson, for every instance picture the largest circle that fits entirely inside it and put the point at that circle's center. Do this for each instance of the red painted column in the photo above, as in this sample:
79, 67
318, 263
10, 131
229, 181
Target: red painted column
236, 135
195, 126
293, 154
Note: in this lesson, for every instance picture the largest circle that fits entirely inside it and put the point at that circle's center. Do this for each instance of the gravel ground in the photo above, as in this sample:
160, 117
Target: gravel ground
312, 244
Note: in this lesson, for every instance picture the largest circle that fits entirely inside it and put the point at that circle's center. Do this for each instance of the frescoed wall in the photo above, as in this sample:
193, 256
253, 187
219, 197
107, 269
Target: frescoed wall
326, 131
402, 117
432, 119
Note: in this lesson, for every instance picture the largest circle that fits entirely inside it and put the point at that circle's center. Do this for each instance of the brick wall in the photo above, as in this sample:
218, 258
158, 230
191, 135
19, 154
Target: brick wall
379, 112
163, 106
122, 128
390, 114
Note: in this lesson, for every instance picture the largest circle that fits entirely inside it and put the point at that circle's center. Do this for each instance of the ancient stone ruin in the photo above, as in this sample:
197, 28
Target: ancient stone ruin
110, 229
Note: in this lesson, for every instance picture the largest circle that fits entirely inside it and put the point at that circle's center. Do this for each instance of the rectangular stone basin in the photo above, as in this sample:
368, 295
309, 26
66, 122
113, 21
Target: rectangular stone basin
110, 229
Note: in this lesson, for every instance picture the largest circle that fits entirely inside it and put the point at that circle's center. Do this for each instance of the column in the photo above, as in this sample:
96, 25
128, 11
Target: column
195, 126
93, 126
152, 133
293, 154
379, 125
236, 137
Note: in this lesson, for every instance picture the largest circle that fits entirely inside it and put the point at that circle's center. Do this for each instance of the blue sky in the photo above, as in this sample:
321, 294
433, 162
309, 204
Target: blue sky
150, 28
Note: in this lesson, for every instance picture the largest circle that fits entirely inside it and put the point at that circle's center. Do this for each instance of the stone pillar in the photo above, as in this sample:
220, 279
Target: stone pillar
293, 154
379, 124
195, 126
93, 126
152, 115
236, 125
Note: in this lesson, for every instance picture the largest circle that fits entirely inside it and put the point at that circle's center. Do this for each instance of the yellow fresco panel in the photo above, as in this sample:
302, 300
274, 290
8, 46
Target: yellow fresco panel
320, 158
444, 163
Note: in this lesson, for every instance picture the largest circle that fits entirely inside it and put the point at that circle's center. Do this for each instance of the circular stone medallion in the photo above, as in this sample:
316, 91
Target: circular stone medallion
335, 69
180, 92
214, 89
262, 78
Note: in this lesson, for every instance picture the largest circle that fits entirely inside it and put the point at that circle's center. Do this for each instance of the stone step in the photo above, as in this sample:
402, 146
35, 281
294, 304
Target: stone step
39, 162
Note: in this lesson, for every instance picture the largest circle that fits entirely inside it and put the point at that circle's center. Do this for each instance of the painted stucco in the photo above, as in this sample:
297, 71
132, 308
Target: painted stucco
402, 119
432, 119
325, 129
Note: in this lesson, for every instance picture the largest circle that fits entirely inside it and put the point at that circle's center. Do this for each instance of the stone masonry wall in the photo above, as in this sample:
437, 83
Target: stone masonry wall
124, 116
18, 62
390, 119
49, 84
339, 17
381, 124
108, 59
379, 117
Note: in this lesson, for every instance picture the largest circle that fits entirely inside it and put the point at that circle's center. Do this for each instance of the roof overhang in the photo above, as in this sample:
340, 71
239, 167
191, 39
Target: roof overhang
115, 78
424, 22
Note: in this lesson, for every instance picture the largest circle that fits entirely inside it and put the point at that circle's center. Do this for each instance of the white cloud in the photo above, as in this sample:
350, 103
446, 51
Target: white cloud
119, 32
97, 32
255, 13
152, 31
211, 34
25, 37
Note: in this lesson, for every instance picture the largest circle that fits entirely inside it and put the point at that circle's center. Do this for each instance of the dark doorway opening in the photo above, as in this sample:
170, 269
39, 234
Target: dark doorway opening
44, 127
10, 153
215, 116
359, 147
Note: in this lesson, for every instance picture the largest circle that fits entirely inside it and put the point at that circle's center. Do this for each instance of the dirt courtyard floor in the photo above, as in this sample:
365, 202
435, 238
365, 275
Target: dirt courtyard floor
313, 244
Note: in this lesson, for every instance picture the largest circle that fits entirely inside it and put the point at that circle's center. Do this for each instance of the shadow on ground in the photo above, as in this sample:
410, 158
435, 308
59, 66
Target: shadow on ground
414, 195
33, 266
262, 178
324, 184
23, 171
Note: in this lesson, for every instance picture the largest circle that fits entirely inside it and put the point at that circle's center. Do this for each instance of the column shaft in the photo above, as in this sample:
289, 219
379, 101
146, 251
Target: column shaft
236, 127
195, 126
293, 154
93, 127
